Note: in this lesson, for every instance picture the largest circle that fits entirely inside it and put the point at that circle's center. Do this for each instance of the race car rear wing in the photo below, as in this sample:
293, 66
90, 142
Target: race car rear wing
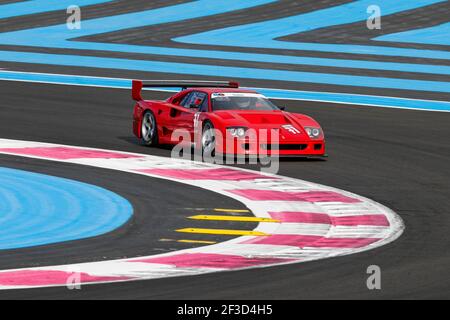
137, 85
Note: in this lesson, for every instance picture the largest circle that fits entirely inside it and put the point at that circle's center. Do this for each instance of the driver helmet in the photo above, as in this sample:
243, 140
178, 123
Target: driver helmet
243, 102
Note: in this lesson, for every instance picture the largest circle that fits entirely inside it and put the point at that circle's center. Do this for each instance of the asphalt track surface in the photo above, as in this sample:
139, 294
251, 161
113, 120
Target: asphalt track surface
399, 158
396, 157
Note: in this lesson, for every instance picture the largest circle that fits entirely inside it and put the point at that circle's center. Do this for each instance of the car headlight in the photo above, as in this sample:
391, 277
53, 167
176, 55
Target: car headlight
238, 132
313, 133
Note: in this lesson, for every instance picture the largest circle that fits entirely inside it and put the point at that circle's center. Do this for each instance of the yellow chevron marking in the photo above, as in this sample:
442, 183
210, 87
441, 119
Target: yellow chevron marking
197, 241
187, 241
231, 210
232, 218
223, 232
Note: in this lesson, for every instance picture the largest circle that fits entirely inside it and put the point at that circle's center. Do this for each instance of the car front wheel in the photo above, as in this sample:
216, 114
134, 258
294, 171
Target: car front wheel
208, 140
149, 130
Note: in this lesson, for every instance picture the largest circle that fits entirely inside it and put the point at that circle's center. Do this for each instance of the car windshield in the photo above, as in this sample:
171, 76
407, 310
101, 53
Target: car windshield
241, 101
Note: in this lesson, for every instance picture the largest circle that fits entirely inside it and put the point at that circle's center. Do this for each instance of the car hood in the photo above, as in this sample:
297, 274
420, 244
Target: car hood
289, 125
255, 117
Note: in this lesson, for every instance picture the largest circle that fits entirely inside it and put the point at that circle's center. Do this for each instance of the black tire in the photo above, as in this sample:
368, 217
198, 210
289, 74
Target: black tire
208, 140
149, 130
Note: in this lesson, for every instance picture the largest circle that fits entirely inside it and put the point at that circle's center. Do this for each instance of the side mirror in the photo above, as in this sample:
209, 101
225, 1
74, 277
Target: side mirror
282, 108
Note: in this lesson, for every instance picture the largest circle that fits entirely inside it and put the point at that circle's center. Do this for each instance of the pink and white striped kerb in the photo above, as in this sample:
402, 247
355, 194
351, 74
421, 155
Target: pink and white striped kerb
315, 221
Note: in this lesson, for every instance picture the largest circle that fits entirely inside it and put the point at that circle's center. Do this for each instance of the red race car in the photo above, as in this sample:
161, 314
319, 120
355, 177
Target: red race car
219, 117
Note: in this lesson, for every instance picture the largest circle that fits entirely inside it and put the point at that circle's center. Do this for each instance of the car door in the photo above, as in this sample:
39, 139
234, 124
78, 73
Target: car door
184, 116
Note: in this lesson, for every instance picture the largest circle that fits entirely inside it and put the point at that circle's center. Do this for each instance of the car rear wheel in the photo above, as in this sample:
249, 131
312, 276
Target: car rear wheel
149, 131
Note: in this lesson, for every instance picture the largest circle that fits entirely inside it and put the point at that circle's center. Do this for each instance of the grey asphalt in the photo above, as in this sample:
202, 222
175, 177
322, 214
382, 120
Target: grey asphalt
396, 157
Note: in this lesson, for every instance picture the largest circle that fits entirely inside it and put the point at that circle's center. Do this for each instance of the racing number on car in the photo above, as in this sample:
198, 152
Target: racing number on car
196, 119
197, 126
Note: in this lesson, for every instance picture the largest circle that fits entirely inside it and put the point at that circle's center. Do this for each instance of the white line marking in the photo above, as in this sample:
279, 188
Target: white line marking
255, 88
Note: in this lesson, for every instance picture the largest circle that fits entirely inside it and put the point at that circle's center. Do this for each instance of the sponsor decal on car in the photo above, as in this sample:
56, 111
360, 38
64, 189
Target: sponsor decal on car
291, 129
